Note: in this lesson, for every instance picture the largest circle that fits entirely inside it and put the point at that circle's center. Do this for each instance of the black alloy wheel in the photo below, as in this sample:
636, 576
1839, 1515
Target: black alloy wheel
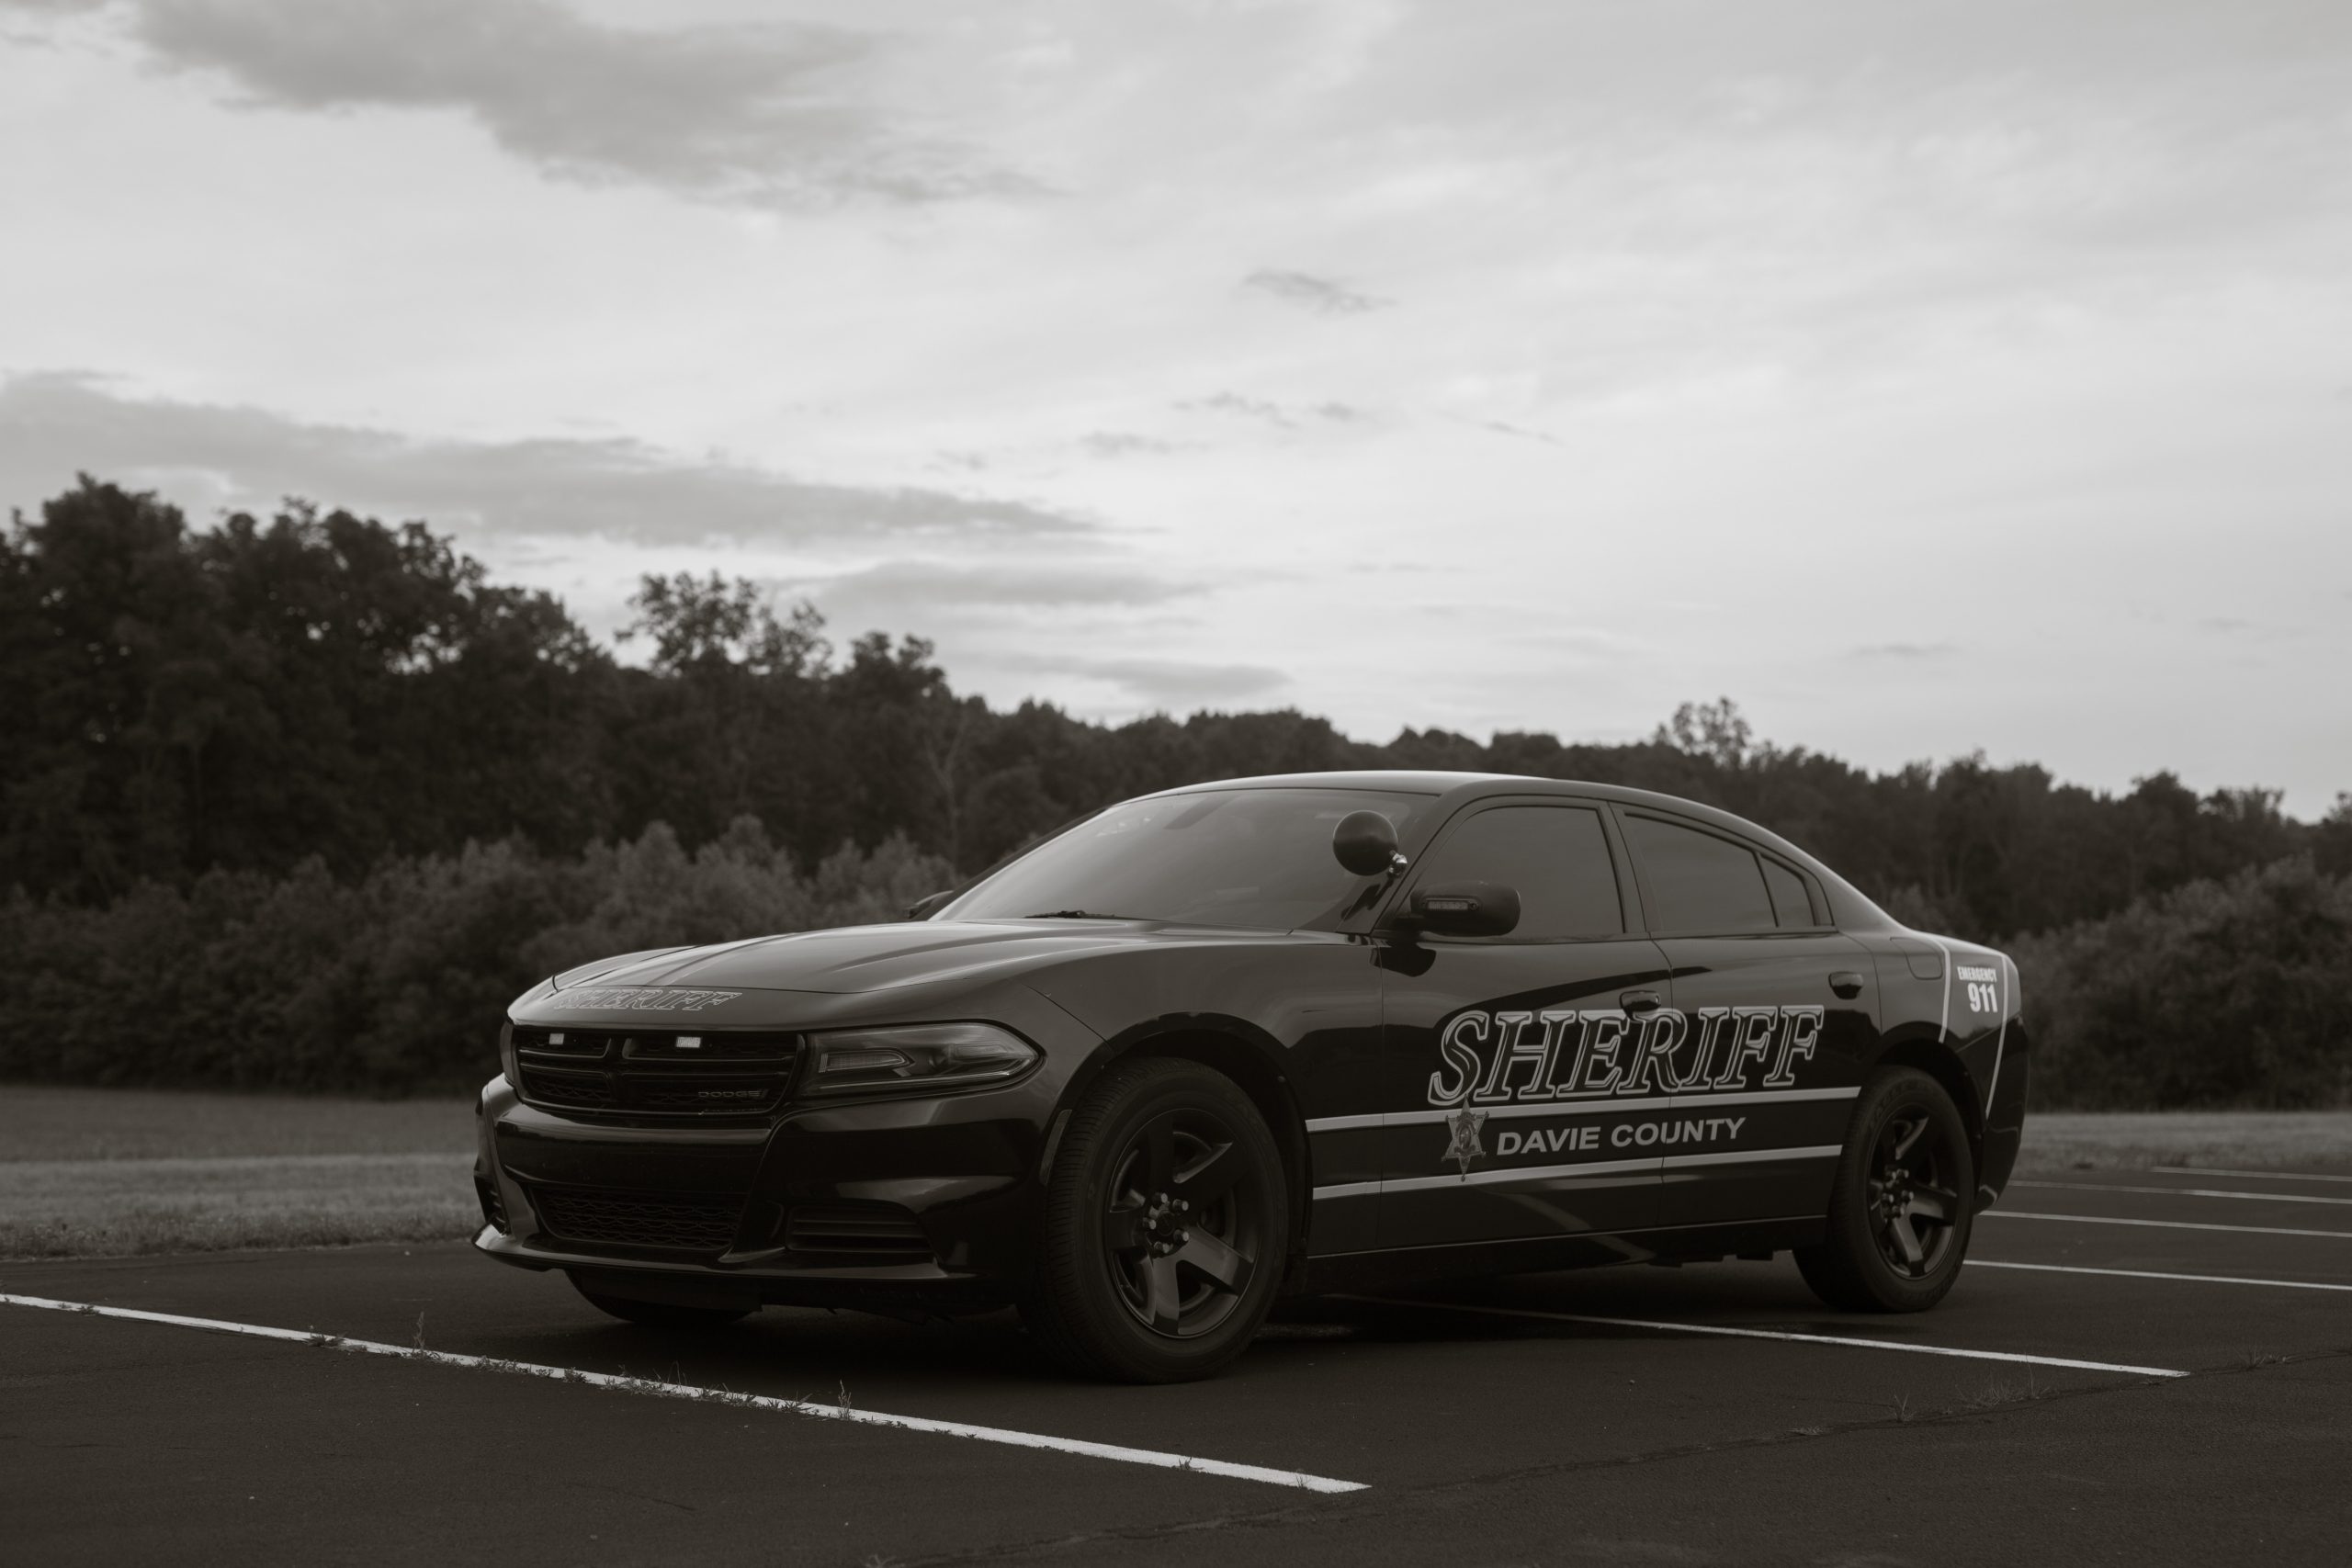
1903, 1204
1176, 1234
1166, 1224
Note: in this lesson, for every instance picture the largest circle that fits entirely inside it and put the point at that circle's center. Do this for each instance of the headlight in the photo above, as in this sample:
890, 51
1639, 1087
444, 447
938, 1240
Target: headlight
917, 1057
506, 1054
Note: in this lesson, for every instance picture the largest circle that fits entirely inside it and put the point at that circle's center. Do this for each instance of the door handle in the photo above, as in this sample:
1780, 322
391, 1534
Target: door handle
1640, 1002
1844, 983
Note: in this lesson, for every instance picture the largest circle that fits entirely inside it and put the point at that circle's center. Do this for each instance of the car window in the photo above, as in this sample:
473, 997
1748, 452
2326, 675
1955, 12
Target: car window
1789, 903
1556, 857
1257, 858
1700, 883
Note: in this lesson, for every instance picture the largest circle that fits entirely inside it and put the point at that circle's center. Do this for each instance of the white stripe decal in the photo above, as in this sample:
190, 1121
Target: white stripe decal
1590, 1167
719, 1396
2189, 1192
2161, 1224
2008, 1005
1757, 1157
1578, 1107
2152, 1274
1944, 1027
1776, 1334
2253, 1175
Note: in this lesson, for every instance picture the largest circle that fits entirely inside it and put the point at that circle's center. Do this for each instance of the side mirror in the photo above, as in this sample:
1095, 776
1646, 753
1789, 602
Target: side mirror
1466, 909
923, 908
1365, 843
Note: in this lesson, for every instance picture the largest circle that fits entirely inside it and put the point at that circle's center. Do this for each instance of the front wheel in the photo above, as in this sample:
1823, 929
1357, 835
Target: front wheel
1900, 1212
1166, 1226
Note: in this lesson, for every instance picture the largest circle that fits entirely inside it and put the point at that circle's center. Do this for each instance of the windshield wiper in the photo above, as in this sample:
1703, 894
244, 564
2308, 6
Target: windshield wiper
1076, 915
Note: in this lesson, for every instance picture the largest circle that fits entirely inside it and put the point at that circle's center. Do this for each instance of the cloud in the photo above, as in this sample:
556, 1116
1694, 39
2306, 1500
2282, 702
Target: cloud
1124, 443
1159, 682
929, 593
1904, 651
1289, 416
776, 114
1309, 292
52, 424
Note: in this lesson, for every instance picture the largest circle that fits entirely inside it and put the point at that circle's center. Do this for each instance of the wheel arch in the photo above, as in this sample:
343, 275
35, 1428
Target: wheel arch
1251, 1059
1941, 1063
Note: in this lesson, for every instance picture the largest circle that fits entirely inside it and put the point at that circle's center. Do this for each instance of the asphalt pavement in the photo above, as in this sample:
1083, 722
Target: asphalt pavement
2141, 1366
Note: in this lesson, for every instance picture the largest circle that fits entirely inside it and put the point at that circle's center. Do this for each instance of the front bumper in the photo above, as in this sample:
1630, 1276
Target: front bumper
929, 1202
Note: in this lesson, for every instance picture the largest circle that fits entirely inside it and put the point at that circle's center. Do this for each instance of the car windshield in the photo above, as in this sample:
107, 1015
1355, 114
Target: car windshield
1257, 858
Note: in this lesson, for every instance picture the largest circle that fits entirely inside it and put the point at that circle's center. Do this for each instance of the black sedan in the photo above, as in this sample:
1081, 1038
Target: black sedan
1269, 1035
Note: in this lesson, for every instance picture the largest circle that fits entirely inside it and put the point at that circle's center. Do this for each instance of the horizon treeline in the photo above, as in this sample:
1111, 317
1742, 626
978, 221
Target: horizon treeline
254, 695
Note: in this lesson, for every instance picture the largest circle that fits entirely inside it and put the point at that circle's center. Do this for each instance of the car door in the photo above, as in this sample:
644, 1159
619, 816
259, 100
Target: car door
1781, 1019
1484, 1036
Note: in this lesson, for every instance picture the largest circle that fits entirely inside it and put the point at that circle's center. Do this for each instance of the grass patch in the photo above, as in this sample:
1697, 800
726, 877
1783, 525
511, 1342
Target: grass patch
45, 1122
101, 1208
2128, 1139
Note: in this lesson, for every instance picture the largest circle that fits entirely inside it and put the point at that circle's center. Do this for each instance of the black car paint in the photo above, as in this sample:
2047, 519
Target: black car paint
1333, 1032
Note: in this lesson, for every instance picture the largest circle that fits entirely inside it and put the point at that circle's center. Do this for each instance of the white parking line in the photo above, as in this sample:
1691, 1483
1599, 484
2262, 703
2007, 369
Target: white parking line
2256, 1175
2152, 1274
2160, 1225
719, 1396
2188, 1192
1778, 1334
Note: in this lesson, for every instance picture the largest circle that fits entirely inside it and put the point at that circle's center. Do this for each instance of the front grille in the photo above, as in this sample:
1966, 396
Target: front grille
655, 1072
667, 1221
875, 1232
493, 1207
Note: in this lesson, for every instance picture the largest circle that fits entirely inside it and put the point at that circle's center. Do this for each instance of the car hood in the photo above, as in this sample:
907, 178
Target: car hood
853, 959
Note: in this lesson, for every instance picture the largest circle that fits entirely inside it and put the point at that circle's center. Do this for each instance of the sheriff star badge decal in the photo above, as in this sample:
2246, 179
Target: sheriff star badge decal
1465, 1127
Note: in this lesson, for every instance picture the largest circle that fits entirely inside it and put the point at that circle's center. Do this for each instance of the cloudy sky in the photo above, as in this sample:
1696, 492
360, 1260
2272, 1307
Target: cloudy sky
1927, 377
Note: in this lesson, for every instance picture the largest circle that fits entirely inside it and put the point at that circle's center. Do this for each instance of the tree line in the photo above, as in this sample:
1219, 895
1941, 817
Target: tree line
249, 697
321, 747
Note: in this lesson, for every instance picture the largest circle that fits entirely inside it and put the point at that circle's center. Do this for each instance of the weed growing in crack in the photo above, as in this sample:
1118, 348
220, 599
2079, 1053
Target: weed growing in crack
2001, 1391
2254, 1358
1904, 1415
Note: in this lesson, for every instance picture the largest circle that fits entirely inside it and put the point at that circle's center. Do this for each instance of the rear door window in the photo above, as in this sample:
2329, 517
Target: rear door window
1700, 882
1556, 857
1792, 906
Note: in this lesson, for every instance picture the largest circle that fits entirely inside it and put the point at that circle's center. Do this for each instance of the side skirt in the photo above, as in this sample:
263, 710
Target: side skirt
1680, 1244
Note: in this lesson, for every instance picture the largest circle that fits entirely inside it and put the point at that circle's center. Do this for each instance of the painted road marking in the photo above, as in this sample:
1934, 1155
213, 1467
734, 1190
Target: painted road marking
2188, 1192
2257, 1175
2152, 1274
718, 1396
2160, 1225
1778, 1334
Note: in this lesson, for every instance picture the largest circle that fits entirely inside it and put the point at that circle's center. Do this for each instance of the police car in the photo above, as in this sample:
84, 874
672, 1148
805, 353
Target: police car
1301, 1033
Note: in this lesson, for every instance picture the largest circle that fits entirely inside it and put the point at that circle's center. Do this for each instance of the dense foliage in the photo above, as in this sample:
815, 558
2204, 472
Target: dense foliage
299, 801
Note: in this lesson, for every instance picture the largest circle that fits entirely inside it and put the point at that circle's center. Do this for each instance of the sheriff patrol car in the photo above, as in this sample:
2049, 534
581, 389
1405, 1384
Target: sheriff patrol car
1299, 1033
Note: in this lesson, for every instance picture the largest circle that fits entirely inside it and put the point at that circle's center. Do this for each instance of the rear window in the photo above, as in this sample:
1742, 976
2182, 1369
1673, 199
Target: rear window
1792, 906
1700, 883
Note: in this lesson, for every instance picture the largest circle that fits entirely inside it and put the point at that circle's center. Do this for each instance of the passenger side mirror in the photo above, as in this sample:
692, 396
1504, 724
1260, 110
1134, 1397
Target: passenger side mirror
1365, 843
1466, 909
924, 908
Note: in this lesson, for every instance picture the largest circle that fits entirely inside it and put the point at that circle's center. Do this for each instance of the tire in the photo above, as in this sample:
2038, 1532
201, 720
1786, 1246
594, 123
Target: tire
660, 1314
1904, 1204
1166, 1226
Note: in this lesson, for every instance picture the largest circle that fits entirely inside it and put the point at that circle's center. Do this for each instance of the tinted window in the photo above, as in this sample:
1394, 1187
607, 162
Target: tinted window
1555, 856
1789, 900
1700, 883
1236, 857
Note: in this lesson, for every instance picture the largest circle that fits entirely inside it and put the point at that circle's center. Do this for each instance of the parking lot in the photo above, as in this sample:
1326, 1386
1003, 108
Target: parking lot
2136, 1365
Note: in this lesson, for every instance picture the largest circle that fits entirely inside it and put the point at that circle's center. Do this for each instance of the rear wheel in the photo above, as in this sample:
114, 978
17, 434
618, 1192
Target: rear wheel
660, 1314
1166, 1226
1900, 1212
